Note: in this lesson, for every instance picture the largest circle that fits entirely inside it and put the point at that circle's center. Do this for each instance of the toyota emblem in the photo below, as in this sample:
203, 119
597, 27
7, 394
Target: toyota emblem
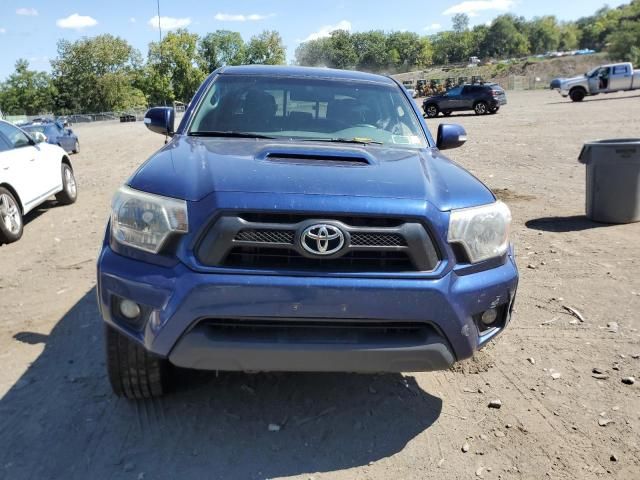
322, 239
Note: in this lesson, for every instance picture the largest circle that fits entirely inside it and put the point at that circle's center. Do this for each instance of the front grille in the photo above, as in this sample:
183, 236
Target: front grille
362, 239
266, 236
316, 331
273, 241
353, 261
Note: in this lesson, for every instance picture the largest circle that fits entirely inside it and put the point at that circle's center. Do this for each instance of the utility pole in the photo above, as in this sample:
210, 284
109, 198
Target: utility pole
160, 46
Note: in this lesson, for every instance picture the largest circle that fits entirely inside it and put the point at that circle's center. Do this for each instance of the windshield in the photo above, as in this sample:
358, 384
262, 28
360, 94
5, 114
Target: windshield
309, 109
34, 128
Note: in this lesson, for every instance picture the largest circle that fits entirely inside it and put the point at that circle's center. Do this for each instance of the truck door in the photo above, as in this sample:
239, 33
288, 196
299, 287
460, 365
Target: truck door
621, 76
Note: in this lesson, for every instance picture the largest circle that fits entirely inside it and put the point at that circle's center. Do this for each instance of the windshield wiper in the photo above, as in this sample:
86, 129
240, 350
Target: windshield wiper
229, 133
361, 141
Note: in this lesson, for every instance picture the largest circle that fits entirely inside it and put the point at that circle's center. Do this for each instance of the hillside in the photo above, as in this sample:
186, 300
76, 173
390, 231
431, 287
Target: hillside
529, 73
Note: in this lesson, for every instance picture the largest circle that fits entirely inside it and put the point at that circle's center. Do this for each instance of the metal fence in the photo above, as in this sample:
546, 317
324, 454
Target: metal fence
132, 115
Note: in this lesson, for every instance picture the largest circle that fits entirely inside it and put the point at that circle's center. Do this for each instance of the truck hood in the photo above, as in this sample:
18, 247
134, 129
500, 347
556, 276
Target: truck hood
192, 168
572, 80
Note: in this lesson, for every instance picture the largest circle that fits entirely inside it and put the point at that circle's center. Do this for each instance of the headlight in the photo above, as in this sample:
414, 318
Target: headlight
145, 221
483, 231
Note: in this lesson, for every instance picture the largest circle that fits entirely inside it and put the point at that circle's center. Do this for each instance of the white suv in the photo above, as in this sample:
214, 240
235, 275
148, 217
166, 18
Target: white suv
30, 172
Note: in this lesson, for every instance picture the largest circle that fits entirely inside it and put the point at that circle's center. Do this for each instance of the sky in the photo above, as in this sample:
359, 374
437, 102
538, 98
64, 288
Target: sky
31, 28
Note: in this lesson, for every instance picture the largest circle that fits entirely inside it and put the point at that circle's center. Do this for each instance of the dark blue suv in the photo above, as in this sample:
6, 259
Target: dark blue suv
300, 220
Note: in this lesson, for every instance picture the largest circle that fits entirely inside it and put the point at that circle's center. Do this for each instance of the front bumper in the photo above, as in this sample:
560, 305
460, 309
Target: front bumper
199, 319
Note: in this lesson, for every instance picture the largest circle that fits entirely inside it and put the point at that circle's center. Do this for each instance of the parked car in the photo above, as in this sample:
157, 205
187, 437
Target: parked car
300, 219
56, 134
30, 172
480, 98
127, 117
605, 79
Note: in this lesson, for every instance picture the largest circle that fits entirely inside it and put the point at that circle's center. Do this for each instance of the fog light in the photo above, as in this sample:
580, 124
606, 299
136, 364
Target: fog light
489, 316
129, 309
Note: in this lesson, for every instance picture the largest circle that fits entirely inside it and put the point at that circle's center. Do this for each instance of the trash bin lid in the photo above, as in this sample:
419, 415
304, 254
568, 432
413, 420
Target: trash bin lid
615, 143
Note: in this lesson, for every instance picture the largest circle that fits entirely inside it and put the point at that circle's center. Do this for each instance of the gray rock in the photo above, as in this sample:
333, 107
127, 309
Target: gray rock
603, 422
465, 447
628, 380
613, 457
495, 404
597, 370
531, 360
612, 327
600, 376
499, 434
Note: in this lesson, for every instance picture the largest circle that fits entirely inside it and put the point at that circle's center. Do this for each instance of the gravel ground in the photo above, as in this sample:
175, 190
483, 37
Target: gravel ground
59, 419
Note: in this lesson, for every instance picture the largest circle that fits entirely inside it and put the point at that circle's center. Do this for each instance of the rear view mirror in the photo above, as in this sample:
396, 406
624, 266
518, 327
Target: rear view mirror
160, 120
451, 136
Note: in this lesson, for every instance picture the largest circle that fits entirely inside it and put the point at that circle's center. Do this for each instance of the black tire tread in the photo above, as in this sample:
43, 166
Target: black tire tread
6, 238
63, 197
133, 372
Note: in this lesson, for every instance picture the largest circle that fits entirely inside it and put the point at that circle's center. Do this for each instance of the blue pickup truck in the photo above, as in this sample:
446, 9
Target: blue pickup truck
300, 219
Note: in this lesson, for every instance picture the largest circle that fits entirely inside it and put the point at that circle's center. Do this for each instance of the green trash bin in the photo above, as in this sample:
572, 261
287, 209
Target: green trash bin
613, 180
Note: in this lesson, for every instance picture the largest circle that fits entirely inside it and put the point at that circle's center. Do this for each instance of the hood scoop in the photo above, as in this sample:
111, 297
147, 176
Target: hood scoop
319, 157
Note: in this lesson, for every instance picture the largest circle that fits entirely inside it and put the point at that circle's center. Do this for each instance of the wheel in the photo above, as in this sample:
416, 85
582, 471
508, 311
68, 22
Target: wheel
447, 113
76, 148
577, 94
69, 193
431, 111
133, 372
11, 224
481, 108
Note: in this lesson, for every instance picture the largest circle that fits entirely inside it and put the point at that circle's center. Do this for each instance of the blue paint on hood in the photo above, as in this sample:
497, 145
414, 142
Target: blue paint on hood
191, 168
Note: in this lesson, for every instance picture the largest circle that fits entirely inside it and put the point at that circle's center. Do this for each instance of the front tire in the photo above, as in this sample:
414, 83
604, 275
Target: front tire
577, 94
481, 108
431, 111
133, 372
76, 147
69, 193
11, 224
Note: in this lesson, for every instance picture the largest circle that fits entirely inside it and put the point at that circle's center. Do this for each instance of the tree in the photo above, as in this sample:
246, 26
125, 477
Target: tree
371, 49
266, 48
174, 67
460, 22
342, 53
27, 91
504, 38
624, 44
544, 34
81, 64
221, 48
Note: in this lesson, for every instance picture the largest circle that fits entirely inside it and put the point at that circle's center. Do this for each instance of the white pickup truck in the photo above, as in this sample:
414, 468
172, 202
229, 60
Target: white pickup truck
605, 79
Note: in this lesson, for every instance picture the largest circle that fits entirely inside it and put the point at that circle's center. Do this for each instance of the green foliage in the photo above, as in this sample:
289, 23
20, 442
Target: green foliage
105, 73
80, 66
26, 91
174, 67
460, 22
266, 48
221, 48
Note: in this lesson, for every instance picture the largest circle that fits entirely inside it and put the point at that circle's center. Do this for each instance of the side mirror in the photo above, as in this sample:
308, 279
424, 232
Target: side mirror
69, 131
451, 136
39, 137
160, 120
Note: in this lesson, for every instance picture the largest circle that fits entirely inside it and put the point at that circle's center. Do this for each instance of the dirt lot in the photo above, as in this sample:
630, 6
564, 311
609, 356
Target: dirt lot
59, 419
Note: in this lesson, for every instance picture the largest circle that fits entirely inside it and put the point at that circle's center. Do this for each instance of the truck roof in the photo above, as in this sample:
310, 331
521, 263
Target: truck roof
305, 72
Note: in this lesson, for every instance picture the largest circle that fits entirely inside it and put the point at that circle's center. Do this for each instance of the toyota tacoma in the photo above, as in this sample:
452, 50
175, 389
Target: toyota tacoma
300, 219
